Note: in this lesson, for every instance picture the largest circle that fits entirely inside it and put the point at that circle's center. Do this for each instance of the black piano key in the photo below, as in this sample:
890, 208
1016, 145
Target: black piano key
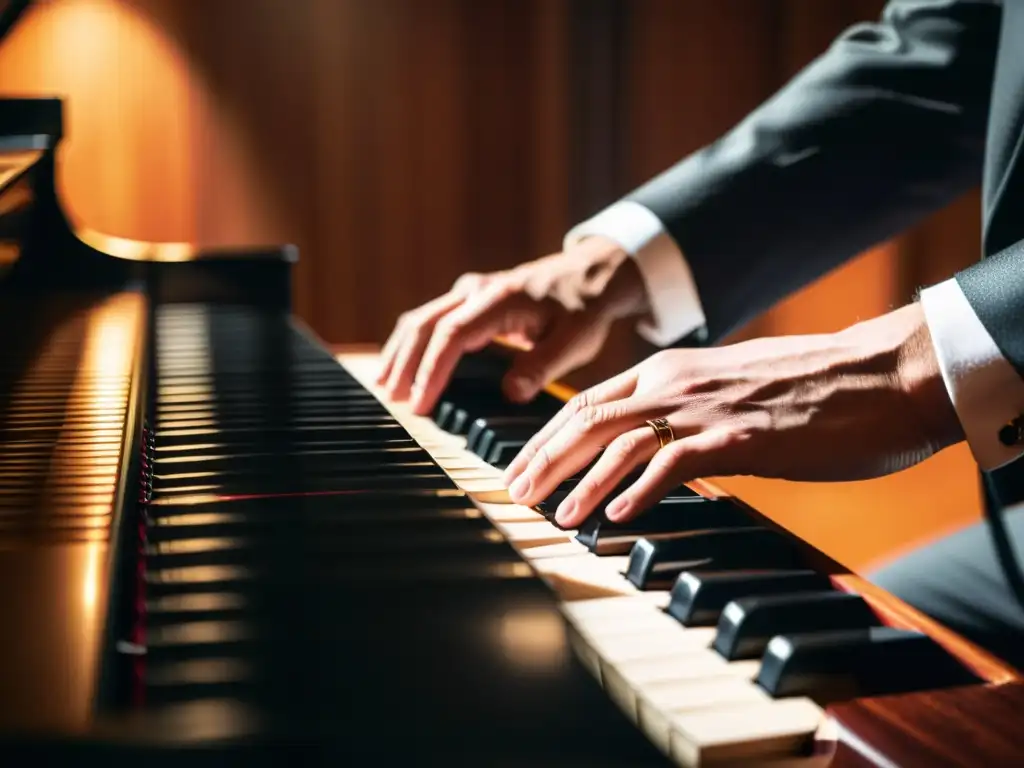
287, 404
371, 505
518, 435
468, 404
671, 515
216, 456
500, 426
466, 538
443, 412
655, 564
476, 430
459, 422
748, 624
698, 597
261, 523
222, 570
225, 467
504, 452
295, 482
851, 663
318, 429
169, 444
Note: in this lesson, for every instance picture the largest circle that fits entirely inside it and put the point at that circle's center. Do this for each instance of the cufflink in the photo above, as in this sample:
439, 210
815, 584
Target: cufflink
1012, 433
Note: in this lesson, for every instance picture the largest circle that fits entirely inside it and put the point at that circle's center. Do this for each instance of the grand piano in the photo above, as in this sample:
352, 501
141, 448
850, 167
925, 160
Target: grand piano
220, 545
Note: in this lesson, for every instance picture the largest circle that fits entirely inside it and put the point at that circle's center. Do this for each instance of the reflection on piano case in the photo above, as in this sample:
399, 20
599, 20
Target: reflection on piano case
218, 546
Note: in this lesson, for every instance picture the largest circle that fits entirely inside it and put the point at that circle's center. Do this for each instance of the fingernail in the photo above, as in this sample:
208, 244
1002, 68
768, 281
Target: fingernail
616, 509
566, 511
520, 489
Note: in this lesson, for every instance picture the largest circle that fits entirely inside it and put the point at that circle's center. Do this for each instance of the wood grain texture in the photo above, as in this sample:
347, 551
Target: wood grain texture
952, 728
400, 143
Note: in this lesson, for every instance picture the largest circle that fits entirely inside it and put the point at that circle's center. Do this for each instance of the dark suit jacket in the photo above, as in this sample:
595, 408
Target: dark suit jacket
896, 119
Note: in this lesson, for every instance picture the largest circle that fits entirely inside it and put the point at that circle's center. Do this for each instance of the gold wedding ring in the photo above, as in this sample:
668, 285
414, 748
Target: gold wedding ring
663, 430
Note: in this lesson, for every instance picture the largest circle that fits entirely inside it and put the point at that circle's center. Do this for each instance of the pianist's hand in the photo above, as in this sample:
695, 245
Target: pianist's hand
562, 305
861, 403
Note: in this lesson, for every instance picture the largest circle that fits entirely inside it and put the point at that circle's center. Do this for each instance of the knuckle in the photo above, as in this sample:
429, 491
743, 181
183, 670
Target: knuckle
577, 403
623, 448
525, 456
471, 282
503, 289
450, 327
589, 418
541, 459
467, 281
419, 330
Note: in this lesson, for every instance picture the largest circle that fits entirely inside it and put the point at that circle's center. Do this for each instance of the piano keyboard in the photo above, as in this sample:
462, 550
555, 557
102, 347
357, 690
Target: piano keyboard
310, 573
715, 635
307, 563
220, 547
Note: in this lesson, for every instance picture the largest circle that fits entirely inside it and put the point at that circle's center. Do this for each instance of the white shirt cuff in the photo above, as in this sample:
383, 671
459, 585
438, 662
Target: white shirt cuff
675, 304
985, 389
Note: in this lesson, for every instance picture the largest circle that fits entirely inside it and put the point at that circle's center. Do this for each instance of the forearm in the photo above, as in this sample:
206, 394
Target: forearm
885, 127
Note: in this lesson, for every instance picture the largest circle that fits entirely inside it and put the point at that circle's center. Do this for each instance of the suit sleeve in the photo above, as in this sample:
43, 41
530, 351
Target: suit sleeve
885, 127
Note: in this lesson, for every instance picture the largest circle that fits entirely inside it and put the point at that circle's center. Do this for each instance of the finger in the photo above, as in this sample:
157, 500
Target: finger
576, 444
703, 454
572, 343
465, 286
390, 349
622, 455
419, 325
616, 388
410, 350
480, 318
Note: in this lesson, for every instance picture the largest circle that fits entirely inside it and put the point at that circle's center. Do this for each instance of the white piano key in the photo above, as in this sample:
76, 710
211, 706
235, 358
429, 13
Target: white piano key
567, 549
579, 577
741, 734
689, 701
523, 535
510, 513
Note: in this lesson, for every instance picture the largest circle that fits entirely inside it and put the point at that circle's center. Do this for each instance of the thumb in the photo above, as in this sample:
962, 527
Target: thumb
571, 344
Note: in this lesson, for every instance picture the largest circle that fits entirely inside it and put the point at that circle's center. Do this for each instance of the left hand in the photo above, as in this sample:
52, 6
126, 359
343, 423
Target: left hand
861, 403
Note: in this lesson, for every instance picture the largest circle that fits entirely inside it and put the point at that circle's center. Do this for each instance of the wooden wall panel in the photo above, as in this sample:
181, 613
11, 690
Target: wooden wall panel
400, 143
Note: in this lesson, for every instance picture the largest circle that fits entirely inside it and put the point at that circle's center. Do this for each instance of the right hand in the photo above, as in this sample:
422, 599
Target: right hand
561, 305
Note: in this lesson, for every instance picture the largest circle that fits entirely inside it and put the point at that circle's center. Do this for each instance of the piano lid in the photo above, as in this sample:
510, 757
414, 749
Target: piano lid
10, 12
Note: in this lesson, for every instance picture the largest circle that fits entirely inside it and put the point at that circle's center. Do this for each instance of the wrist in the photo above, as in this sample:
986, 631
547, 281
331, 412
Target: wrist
902, 338
608, 278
